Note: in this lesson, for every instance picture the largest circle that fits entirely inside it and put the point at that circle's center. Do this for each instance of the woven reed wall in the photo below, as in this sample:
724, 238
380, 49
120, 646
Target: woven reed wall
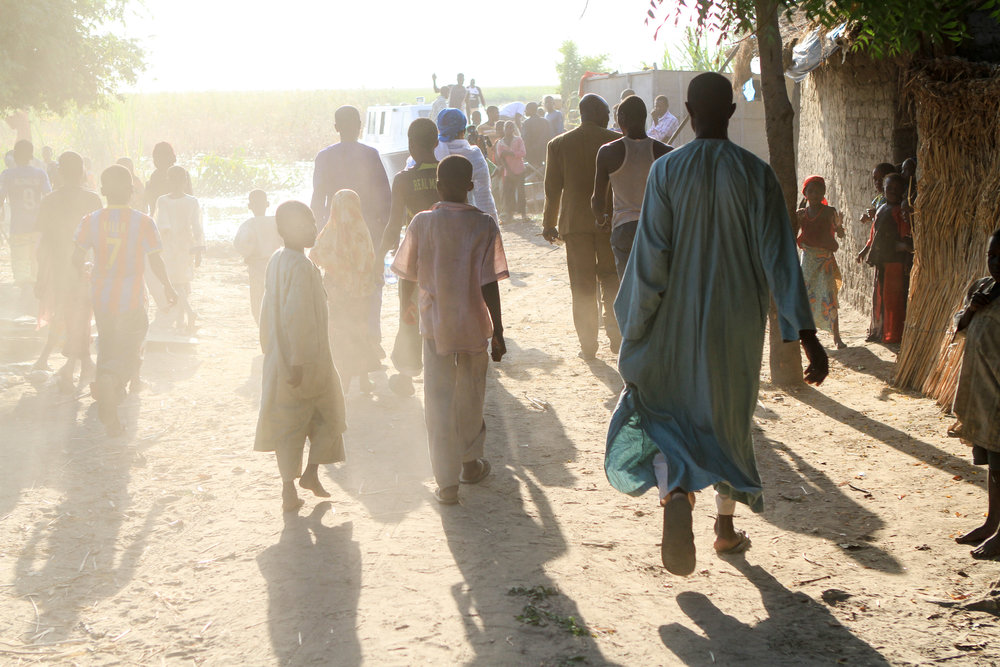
847, 117
958, 119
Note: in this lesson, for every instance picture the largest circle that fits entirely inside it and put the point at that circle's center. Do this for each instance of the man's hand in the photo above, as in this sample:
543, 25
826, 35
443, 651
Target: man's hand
861, 255
295, 376
410, 314
604, 223
498, 347
819, 364
170, 295
550, 234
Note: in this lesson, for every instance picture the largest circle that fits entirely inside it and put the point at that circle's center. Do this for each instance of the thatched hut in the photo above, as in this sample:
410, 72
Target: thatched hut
957, 105
855, 112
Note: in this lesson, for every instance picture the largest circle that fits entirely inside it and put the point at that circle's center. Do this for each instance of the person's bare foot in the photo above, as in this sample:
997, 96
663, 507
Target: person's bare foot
728, 540
310, 481
977, 535
841, 345
290, 500
988, 549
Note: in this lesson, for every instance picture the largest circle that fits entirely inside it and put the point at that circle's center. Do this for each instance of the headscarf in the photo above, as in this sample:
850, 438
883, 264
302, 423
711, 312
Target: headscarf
451, 123
814, 179
344, 248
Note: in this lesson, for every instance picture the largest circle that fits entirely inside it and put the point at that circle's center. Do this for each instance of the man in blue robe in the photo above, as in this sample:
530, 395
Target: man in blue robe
714, 242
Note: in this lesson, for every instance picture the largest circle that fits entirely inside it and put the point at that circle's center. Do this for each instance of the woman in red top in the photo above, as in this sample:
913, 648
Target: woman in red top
819, 225
510, 152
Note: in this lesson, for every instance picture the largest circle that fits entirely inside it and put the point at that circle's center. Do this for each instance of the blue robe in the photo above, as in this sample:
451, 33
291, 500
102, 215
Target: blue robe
713, 243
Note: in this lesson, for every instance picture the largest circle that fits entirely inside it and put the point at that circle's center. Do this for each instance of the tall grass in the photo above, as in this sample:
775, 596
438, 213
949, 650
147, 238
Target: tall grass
280, 125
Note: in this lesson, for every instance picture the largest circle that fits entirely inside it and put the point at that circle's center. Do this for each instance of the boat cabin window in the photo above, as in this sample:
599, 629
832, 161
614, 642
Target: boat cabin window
381, 125
371, 122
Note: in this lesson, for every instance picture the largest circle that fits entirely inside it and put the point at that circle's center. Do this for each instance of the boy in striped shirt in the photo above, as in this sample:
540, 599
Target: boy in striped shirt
121, 238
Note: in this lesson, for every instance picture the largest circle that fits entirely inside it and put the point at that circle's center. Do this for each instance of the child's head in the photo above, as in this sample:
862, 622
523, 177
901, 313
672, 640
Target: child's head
23, 152
477, 118
127, 163
71, 168
814, 190
909, 168
894, 187
258, 202
296, 225
993, 255
879, 173
422, 136
116, 185
454, 178
508, 131
501, 127
177, 178
164, 156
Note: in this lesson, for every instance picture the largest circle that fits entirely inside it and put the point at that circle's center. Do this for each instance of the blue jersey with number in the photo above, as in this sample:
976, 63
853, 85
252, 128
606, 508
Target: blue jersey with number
23, 187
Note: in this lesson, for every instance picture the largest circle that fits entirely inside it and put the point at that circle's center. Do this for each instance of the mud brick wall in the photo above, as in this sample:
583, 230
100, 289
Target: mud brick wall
848, 123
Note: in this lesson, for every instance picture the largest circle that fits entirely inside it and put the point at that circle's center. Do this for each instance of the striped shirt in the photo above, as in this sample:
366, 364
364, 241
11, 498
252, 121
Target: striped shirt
121, 238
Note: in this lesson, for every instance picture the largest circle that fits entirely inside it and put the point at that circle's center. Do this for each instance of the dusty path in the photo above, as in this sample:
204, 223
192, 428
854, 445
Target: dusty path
169, 544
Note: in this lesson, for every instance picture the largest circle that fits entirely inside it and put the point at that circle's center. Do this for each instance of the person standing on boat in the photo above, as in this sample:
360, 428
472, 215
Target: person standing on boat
456, 92
351, 165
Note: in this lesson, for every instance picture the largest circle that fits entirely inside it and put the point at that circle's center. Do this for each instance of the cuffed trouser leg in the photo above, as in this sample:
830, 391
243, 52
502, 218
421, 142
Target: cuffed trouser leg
454, 392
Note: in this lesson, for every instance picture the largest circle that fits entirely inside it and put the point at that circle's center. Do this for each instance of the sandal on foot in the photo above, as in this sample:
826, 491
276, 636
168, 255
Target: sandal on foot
446, 498
742, 545
677, 549
484, 470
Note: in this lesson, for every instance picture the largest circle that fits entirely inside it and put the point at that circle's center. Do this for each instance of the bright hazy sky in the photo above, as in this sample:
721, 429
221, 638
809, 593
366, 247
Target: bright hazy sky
319, 44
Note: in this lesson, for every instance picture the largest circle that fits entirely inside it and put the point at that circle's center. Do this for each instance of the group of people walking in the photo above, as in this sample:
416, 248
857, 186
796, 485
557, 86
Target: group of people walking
681, 250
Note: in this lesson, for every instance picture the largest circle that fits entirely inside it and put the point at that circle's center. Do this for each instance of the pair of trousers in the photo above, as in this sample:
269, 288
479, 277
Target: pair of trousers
622, 238
725, 505
513, 194
590, 262
454, 392
119, 343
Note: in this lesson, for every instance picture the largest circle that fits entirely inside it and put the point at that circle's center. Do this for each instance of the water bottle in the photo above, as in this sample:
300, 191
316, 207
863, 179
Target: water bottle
390, 277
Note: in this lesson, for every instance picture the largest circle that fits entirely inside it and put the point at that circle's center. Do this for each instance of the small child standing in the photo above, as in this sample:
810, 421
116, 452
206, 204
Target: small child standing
256, 240
819, 225
178, 218
301, 396
344, 252
454, 254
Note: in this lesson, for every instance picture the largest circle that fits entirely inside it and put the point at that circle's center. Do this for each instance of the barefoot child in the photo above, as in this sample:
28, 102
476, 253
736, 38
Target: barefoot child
978, 394
256, 240
122, 239
344, 252
454, 255
301, 396
178, 218
819, 225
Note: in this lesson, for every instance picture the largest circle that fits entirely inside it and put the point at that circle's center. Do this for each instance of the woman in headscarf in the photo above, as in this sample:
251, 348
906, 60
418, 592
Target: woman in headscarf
819, 225
452, 125
344, 251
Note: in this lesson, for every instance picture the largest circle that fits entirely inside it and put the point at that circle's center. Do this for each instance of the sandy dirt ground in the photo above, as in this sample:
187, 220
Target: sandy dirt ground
168, 545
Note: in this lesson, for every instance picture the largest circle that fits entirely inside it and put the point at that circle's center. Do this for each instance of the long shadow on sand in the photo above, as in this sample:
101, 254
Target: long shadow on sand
830, 513
77, 554
313, 579
797, 631
898, 440
503, 535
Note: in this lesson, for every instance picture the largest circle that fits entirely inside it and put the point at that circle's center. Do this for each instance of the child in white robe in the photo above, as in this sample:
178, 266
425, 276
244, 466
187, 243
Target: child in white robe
301, 396
178, 219
256, 240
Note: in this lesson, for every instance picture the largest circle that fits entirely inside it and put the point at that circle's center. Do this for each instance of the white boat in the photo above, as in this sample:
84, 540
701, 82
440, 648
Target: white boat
385, 130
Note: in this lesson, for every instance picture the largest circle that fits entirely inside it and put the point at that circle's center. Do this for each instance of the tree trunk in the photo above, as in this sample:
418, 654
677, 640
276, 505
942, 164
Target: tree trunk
786, 362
